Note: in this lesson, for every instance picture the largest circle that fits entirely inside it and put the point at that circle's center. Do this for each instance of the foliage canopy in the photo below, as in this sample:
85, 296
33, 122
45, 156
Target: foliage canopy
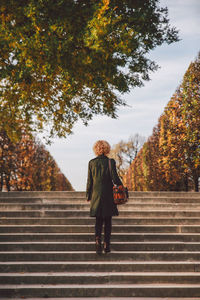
65, 60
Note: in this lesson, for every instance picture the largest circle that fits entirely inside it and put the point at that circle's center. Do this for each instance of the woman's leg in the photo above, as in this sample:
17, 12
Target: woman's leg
98, 227
107, 233
98, 230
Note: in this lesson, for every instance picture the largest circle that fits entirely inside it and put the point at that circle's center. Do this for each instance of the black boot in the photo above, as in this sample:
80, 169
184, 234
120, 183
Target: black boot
98, 245
106, 247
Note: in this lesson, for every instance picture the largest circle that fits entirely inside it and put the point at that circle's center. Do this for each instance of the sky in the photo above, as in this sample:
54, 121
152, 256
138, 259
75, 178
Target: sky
145, 104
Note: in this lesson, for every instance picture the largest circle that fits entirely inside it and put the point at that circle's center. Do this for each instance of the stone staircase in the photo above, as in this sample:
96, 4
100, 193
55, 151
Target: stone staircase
47, 247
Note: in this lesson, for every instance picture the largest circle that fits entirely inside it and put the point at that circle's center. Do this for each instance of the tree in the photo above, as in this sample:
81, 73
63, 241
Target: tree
181, 147
170, 159
191, 119
28, 166
65, 60
7, 159
145, 173
125, 152
47, 176
154, 178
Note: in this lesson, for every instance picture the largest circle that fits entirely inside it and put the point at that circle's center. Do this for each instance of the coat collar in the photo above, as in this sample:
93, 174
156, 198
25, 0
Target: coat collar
102, 156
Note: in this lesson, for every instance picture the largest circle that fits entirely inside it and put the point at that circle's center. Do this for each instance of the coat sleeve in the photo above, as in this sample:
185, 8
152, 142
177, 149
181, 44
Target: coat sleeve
89, 183
115, 176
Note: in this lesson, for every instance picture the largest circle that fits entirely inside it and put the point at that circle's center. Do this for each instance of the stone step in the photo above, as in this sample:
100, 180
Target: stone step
46, 194
90, 246
80, 214
40, 200
97, 266
82, 200
100, 278
92, 256
47, 247
90, 228
64, 194
110, 298
85, 206
91, 221
116, 237
105, 290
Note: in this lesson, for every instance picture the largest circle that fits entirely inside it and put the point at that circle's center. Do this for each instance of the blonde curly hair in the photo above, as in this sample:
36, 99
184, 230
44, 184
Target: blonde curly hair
101, 147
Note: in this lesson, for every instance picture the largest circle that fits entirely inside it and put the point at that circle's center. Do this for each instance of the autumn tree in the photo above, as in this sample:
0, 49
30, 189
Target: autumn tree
145, 173
125, 152
136, 172
170, 159
47, 175
22, 179
181, 159
191, 119
7, 158
154, 178
27, 166
66, 60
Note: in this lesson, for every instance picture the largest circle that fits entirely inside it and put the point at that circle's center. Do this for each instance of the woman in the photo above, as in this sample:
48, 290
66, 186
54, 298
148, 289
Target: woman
99, 192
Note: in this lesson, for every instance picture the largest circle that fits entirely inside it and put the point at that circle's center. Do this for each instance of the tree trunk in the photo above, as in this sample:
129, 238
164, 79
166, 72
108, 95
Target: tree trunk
7, 178
196, 183
1, 182
186, 183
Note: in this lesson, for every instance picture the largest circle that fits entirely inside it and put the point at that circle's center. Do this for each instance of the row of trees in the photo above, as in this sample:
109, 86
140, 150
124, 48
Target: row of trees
170, 159
27, 166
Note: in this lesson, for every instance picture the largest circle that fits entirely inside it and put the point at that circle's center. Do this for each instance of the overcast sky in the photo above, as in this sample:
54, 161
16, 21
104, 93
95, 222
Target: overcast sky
145, 104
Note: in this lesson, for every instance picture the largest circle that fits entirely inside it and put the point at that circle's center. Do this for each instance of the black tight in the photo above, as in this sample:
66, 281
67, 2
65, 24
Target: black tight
107, 227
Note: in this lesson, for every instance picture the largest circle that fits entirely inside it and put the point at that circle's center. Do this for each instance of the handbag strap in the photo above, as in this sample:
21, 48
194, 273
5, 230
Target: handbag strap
110, 169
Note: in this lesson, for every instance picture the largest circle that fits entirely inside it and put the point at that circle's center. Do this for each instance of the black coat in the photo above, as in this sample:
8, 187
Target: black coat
99, 188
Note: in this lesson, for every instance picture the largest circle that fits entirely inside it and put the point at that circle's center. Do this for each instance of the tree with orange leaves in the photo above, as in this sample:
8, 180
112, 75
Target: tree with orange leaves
171, 157
27, 166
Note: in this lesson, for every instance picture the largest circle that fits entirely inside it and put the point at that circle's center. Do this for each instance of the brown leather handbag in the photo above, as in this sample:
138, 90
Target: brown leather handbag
120, 193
